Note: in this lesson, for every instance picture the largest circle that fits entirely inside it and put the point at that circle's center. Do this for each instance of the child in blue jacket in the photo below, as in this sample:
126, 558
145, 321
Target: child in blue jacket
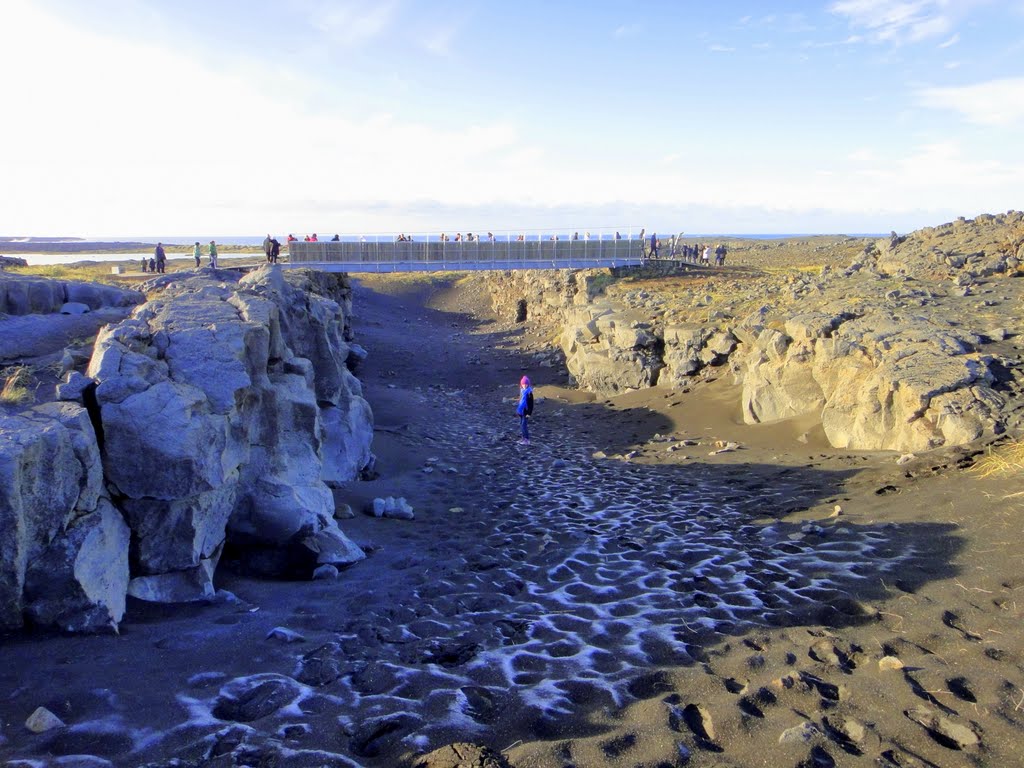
525, 408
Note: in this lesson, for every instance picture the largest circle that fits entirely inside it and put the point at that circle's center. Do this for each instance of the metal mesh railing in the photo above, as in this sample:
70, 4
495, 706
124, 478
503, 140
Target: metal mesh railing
487, 254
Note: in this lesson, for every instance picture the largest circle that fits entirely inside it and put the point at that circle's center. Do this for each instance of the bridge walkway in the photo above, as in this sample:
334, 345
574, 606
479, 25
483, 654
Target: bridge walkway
334, 256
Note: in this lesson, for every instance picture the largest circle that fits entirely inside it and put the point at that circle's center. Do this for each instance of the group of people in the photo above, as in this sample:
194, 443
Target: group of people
272, 248
469, 237
697, 253
157, 263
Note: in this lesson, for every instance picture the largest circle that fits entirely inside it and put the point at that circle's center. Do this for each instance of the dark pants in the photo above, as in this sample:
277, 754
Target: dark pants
524, 422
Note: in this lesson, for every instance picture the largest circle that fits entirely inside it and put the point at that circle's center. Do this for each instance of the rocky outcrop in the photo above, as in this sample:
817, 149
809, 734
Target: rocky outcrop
222, 409
63, 548
610, 350
963, 249
212, 399
903, 350
26, 294
879, 381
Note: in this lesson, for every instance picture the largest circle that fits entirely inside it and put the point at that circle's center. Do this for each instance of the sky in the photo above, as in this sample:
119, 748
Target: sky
142, 117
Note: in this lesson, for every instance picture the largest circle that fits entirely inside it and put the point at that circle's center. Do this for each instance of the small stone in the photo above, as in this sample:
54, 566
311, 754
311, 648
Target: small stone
849, 729
285, 635
43, 720
905, 458
837, 511
599, 455
887, 663
344, 512
825, 652
74, 308
456, 510
427, 470
947, 730
799, 734
325, 572
398, 509
796, 536
724, 447
73, 386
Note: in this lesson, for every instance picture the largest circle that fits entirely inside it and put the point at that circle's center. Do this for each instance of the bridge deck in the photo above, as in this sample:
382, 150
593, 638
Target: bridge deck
426, 257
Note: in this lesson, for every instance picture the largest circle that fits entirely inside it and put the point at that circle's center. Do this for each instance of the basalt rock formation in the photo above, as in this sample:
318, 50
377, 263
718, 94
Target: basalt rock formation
213, 419
913, 346
26, 294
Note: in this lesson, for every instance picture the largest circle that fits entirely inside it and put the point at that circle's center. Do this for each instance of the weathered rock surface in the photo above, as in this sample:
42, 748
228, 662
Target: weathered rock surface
213, 423
221, 409
59, 537
26, 294
910, 348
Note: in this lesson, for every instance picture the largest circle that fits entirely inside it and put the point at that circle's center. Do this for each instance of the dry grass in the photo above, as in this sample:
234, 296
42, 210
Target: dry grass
16, 387
1006, 459
98, 273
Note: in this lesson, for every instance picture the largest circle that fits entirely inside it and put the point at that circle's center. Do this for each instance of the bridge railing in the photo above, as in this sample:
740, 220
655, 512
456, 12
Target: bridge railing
511, 254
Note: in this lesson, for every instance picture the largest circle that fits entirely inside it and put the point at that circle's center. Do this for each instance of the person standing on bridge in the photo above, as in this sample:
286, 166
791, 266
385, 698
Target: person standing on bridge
525, 409
654, 245
213, 255
267, 247
275, 250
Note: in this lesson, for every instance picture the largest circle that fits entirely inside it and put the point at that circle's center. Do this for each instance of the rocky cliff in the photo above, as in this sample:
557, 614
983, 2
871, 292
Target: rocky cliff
913, 346
213, 419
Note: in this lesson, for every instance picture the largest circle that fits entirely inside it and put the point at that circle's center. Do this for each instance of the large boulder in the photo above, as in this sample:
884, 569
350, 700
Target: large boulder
213, 400
610, 350
50, 478
79, 582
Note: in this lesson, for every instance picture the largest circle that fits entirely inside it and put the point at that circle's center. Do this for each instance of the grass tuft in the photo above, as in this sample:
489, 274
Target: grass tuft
1002, 460
16, 387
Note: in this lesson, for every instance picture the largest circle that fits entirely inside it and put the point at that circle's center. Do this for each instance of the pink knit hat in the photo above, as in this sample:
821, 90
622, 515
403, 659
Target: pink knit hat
525, 381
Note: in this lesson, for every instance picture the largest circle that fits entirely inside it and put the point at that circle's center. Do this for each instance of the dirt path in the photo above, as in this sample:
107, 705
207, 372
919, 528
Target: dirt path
568, 603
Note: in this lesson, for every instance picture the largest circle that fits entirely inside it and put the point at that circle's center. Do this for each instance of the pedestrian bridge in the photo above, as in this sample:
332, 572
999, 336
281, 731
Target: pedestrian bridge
336, 256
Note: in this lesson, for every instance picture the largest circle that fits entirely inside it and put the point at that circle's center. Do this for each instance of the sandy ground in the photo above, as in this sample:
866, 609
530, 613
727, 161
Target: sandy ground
612, 594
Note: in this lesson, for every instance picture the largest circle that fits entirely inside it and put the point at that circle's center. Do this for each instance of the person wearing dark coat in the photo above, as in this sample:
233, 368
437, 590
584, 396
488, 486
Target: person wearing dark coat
275, 250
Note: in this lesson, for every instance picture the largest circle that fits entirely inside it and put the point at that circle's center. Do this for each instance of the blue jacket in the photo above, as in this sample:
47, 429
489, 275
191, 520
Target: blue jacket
524, 397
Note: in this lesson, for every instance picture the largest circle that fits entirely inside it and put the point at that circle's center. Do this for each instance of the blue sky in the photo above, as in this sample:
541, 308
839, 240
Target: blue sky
132, 117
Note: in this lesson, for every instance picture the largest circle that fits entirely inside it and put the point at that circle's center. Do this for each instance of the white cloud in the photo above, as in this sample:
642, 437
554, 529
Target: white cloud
351, 22
721, 48
122, 137
900, 21
627, 30
951, 42
440, 41
996, 102
851, 40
